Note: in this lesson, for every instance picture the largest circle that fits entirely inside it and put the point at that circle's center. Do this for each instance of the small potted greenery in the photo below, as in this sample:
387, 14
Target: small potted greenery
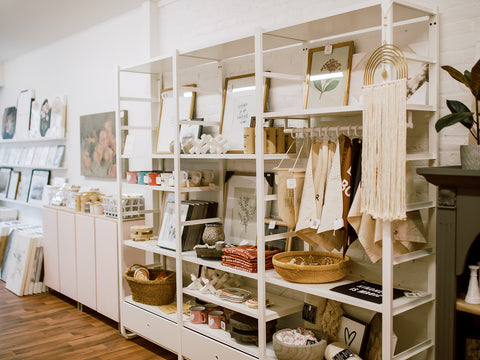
469, 154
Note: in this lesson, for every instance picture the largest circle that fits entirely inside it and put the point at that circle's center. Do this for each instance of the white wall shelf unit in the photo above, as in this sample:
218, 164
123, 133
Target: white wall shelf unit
368, 25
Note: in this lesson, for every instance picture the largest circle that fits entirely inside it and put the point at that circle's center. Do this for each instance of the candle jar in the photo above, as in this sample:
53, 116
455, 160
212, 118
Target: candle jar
212, 233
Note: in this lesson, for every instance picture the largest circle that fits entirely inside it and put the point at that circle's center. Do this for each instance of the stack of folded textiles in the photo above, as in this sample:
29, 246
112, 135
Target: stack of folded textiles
244, 257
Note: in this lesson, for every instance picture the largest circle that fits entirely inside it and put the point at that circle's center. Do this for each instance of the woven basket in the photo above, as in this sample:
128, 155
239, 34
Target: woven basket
336, 269
152, 292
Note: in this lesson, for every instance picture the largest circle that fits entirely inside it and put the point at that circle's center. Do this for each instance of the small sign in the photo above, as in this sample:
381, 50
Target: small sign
271, 224
328, 49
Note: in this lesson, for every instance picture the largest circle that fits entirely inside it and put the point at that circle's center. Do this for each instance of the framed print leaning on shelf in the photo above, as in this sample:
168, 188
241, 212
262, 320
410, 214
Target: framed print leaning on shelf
166, 236
167, 123
240, 222
238, 107
13, 185
38, 181
57, 160
328, 76
4, 181
9, 122
353, 332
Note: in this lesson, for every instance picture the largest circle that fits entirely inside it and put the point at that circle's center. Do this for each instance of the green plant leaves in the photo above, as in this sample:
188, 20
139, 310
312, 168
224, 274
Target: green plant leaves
451, 119
332, 85
459, 107
457, 75
475, 80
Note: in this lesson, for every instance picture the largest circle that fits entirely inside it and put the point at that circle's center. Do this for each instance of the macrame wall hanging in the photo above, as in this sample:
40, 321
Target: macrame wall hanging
384, 135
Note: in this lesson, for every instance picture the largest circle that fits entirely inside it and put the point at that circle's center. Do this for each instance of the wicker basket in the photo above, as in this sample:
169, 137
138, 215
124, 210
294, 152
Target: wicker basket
302, 271
152, 292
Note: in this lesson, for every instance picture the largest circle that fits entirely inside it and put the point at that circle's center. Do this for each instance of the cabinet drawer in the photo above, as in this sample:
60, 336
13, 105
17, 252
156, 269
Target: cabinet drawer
199, 347
153, 327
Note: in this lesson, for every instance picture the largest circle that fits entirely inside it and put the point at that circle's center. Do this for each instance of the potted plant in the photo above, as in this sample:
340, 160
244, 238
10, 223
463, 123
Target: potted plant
469, 154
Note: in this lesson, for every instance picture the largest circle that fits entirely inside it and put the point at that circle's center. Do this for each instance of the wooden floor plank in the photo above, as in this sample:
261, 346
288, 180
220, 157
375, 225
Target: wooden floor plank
49, 326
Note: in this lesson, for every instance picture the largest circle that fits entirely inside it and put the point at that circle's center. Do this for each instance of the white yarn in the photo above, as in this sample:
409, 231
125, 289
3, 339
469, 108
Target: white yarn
384, 150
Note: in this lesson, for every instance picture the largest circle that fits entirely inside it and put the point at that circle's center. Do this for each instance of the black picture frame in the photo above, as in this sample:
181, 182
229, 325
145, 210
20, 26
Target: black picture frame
38, 180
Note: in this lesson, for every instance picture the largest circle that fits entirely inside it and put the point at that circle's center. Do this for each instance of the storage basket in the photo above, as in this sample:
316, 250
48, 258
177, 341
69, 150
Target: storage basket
152, 292
285, 351
131, 204
311, 267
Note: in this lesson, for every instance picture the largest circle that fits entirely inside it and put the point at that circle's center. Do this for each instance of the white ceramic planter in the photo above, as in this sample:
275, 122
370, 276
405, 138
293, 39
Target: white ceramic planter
470, 157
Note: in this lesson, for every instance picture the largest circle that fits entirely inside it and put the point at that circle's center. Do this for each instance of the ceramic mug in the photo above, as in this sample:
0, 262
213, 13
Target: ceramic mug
194, 178
207, 177
211, 307
215, 319
198, 315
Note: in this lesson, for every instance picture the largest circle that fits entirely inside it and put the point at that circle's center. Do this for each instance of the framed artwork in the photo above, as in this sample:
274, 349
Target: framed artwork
190, 131
166, 236
38, 180
4, 181
241, 209
9, 122
45, 114
58, 116
57, 160
352, 333
328, 76
22, 193
24, 111
238, 107
98, 145
167, 124
13, 185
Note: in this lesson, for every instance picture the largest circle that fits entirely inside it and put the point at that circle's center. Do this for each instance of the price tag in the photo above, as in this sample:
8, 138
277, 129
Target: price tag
328, 49
314, 223
276, 179
271, 224
338, 224
291, 183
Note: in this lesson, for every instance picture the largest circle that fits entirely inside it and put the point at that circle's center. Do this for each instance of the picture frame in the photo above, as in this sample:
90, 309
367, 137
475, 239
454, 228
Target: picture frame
24, 186
328, 76
45, 116
38, 180
238, 107
13, 185
57, 160
353, 332
24, 110
167, 124
188, 131
4, 181
9, 122
98, 145
240, 209
166, 235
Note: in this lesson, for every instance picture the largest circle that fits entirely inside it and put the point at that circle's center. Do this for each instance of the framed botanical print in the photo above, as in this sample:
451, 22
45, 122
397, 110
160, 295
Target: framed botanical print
167, 124
166, 236
241, 209
328, 76
238, 107
38, 180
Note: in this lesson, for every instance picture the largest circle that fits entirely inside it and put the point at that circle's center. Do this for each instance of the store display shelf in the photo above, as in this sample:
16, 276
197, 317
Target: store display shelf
155, 65
42, 167
414, 350
225, 338
150, 246
22, 203
233, 156
414, 255
191, 256
468, 308
400, 305
281, 306
137, 127
420, 205
152, 309
140, 99
139, 187
31, 140
421, 156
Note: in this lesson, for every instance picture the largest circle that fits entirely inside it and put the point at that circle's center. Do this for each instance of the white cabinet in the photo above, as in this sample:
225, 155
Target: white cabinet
86, 268
50, 249
67, 254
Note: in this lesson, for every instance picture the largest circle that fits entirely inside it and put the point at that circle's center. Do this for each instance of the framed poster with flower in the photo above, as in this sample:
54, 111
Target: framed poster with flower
98, 144
328, 76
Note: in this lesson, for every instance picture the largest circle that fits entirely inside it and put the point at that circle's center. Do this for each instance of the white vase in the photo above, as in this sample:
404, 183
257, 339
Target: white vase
473, 293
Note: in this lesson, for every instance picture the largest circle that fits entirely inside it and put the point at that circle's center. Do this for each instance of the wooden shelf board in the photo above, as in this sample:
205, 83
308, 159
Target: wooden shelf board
468, 308
282, 306
151, 246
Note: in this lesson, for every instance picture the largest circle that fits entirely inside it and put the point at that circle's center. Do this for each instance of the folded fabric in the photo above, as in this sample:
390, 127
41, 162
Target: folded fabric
247, 251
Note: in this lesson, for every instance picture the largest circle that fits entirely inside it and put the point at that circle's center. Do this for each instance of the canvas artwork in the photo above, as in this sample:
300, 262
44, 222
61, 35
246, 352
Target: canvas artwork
352, 333
38, 181
9, 122
98, 146
45, 114
166, 236
24, 110
17, 261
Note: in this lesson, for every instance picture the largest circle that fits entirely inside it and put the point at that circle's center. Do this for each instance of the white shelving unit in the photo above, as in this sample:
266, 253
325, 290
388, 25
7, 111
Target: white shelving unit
368, 26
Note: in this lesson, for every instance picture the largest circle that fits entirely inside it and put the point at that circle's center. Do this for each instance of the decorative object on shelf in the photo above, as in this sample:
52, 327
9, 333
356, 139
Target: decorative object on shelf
244, 257
241, 208
45, 115
196, 283
190, 132
352, 333
252, 303
365, 290
97, 139
213, 233
24, 111
473, 293
132, 204
208, 251
198, 314
299, 344
236, 295
311, 267
57, 160
215, 319
9, 122
13, 185
238, 106
194, 178
158, 290
38, 180
141, 232
4, 180
167, 124
58, 116
383, 154
207, 144
244, 328
338, 350
373, 349
328, 75
469, 154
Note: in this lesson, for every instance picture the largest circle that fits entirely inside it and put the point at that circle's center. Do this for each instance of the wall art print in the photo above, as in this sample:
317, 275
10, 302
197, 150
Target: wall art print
9, 122
45, 114
98, 145
328, 76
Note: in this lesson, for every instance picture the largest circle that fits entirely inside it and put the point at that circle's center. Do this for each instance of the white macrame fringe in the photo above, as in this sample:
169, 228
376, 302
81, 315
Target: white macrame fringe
384, 150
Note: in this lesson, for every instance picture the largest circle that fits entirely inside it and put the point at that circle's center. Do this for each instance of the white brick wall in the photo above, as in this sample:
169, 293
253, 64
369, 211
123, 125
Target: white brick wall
210, 21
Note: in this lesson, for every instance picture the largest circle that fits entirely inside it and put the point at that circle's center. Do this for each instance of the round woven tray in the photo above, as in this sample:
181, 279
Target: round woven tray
152, 292
335, 268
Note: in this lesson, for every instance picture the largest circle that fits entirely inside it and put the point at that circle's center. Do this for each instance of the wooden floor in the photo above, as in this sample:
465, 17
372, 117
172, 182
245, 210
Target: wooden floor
49, 327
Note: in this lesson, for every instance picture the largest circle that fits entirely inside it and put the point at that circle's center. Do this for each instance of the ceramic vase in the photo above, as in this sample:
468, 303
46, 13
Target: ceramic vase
213, 233
470, 157
473, 293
